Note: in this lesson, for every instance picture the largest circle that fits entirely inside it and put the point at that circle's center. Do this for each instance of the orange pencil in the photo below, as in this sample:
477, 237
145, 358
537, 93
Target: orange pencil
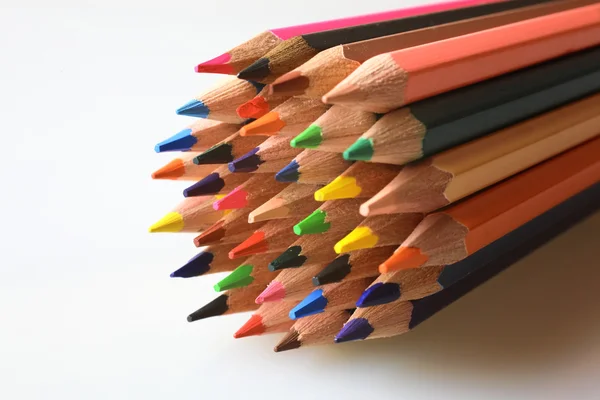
269, 237
269, 318
261, 104
391, 80
462, 229
183, 168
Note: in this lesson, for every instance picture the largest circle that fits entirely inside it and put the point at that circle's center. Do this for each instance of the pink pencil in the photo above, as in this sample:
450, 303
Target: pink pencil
240, 57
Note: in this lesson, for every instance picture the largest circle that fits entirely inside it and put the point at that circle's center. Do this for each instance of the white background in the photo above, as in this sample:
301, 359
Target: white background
87, 309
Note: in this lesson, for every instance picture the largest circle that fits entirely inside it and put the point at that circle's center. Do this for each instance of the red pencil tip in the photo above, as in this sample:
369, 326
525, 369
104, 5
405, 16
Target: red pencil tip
252, 327
255, 108
274, 292
255, 244
211, 235
404, 258
238, 198
172, 170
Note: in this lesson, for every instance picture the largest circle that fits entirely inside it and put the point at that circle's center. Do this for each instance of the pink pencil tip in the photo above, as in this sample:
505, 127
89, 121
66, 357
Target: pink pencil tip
217, 65
274, 292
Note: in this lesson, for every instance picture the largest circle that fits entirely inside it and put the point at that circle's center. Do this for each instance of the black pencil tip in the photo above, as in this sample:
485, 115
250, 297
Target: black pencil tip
216, 307
336, 271
290, 258
219, 154
256, 71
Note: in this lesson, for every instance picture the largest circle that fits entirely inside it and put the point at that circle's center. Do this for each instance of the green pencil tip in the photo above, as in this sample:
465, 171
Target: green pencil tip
240, 277
361, 150
314, 223
310, 138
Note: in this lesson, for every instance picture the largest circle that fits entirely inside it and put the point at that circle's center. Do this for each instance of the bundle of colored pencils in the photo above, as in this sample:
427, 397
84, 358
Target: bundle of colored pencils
359, 175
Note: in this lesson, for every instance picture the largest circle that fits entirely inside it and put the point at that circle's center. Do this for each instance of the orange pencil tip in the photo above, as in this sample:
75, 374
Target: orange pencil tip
255, 108
267, 125
173, 170
255, 244
404, 258
252, 327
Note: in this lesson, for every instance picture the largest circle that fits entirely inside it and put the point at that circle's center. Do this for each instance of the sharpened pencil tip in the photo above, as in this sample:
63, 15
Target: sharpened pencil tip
404, 258
361, 150
314, 303
314, 223
257, 71
336, 271
361, 237
289, 342
310, 138
171, 222
238, 278
252, 327
249, 162
218, 154
217, 65
355, 329
268, 125
236, 199
290, 258
289, 173
173, 170
255, 244
379, 293
216, 307
255, 108
342, 187
196, 266
274, 292
182, 141
344, 93
194, 108
211, 184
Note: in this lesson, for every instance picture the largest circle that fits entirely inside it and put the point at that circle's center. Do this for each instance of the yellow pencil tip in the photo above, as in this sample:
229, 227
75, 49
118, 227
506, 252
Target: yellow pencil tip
172, 222
342, 187
360, 238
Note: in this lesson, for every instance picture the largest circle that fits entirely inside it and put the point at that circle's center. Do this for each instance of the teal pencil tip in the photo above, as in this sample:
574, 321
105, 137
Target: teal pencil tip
361, 150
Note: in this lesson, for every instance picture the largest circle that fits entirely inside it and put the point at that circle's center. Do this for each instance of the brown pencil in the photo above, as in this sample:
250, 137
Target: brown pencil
456, 173
232, 228
319, 329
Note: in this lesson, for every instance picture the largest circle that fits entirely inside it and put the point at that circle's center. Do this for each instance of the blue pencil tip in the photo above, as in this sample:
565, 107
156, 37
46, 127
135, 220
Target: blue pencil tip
379, 293
314, 303
182, 141
289, 173
194, 108
355, 329
198, 265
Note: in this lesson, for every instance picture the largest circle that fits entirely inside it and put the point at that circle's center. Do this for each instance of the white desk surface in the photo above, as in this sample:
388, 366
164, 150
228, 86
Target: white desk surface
88, 310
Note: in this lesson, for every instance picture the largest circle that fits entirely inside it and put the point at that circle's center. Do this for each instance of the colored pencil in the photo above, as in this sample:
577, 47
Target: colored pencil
220, 102
249, 194
260, 104
462, 229
334, 297
232, 228
294, 201
230, 302
307, 250
220, 181
267, 317
359, 181
268, 237
438, 123
190, 215
456, 173
333, 216
228, 149
199, 136
269, 157
290, 284
399, 317
183, 168
314, 330
296, 51
355, 265
240, 57
335, 130
314, 167
325, 70
287, 119
378, 231
213, 259
253, 269
391, 80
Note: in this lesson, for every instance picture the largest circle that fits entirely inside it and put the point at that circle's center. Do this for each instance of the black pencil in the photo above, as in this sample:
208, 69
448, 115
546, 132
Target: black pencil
299, 49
